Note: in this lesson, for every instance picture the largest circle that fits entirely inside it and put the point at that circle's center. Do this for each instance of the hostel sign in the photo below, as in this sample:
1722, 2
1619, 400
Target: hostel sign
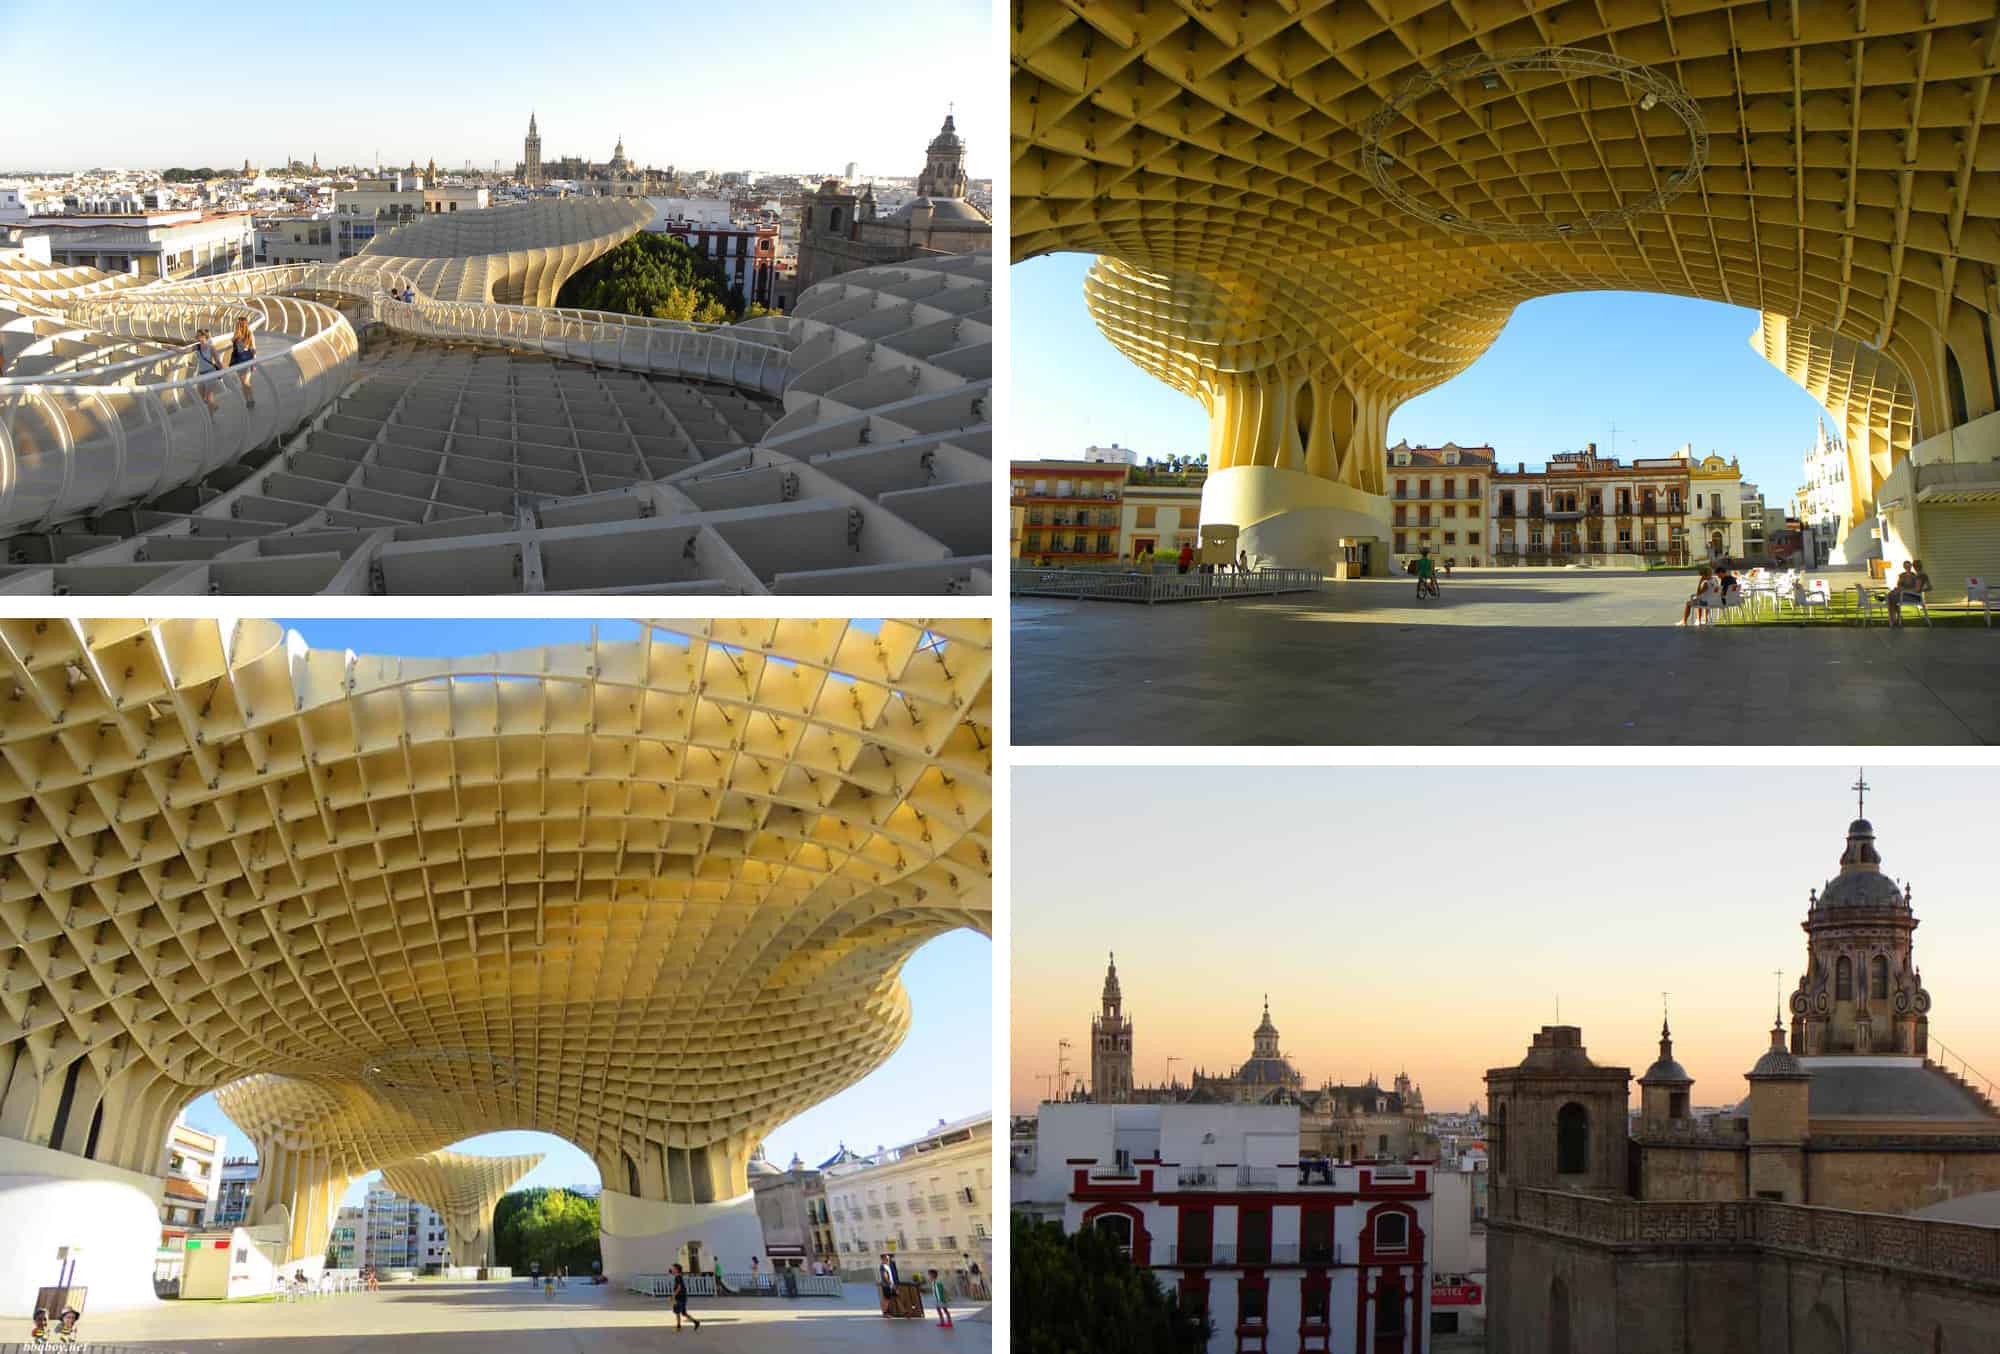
1456, 1295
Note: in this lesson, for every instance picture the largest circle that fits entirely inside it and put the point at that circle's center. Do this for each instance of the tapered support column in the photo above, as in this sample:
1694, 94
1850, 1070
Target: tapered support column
464, 1190
645, 1236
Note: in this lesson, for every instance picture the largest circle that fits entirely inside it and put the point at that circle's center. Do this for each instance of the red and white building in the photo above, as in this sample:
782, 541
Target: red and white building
1285, 1256
746, 251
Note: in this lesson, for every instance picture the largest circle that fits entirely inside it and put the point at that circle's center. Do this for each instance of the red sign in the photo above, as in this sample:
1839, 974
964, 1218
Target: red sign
1456, 1295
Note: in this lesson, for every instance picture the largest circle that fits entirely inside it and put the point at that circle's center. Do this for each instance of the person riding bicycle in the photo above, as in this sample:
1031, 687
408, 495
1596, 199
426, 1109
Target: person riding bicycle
1427, 571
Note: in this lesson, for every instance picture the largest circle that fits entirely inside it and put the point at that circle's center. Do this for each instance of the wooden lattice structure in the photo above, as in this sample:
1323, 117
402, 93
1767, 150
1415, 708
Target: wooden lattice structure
1310, 211
652, 896
463, 1188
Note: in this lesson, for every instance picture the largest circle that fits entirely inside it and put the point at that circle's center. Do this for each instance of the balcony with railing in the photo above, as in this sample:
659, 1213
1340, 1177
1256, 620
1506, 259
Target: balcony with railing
1252, 1253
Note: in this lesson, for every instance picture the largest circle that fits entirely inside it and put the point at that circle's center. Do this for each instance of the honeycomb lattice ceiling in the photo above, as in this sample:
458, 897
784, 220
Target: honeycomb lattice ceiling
653, 896
1214, 152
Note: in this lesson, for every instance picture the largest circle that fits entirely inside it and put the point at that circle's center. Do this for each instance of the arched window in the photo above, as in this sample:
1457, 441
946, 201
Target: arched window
1392, 1232
1558, 1317
1843, 980
1117, 1229
1572, 1139
1878, 977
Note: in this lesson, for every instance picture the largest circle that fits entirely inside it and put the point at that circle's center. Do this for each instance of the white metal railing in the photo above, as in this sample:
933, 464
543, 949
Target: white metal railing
110, 436
1150, 588
73, 447
684, 348
738, 1285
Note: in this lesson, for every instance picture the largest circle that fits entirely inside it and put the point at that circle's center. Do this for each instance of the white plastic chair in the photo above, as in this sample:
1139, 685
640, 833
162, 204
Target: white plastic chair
1976, 590
1732, 600
1816, 594
1864, 603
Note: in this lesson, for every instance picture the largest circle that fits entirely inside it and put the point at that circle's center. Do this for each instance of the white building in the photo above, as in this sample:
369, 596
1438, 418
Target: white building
375, 206
928, 1202
1828, 503
153, 244
1284, 1256
192, 1165
1458, 1245
1112, 455
700, 211
14, 204
395, 1232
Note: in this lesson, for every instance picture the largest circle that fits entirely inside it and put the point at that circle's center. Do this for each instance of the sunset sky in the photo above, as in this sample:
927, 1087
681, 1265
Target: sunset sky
1432, 918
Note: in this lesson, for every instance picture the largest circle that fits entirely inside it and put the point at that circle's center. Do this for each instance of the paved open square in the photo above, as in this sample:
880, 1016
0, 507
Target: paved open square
514, 1317
1513, 656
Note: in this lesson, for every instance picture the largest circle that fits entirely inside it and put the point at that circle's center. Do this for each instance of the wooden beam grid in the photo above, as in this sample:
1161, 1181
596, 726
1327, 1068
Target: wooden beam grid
653, 890
1213, 152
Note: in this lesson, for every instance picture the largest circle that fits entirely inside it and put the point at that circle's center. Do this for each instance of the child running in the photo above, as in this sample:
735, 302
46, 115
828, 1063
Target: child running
937, 1295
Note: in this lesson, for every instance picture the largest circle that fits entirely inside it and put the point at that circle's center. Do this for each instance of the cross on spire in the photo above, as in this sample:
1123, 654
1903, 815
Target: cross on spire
1860, 788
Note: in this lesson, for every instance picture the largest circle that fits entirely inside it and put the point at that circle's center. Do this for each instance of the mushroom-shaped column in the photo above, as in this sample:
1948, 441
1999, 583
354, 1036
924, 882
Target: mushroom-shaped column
464, 1189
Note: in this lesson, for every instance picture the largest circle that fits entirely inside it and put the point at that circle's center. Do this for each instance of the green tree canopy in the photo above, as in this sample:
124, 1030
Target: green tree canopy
657, 276
1077, 1293
549, 1226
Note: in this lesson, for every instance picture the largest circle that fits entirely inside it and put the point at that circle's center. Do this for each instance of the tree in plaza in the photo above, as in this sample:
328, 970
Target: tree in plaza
657, 276
1075, 1292
551, 1227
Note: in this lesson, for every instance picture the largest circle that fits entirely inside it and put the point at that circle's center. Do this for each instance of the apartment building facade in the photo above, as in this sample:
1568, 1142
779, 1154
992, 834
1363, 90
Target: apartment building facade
1583, 507
928, 1202
1437, 502
1284, 1254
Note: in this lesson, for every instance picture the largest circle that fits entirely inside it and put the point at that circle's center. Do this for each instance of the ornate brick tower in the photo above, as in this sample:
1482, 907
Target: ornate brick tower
1861, 992
531, 154
1558, 1120
1111, 1045
944, 164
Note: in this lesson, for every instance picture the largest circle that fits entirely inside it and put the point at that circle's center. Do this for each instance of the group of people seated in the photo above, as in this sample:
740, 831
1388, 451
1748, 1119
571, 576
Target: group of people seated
1718, 587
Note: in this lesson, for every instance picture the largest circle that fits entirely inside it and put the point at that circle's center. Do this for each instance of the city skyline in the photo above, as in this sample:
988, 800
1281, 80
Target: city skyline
1566, 370
755, 99
1477, 905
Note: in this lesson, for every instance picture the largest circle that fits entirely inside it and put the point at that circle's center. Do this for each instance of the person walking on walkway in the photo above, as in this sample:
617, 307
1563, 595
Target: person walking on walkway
720, 1286
886, 1277
206, 363
681, 1299
245, 351
943, 1304
1187, 557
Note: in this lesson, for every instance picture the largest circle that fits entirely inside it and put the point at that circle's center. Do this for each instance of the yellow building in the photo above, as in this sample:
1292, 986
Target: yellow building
1162, 511
1437, 499
1715, 506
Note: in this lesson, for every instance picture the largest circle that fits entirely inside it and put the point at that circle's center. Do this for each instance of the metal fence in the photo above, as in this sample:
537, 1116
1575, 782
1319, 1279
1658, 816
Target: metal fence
738, 1285
1151, 588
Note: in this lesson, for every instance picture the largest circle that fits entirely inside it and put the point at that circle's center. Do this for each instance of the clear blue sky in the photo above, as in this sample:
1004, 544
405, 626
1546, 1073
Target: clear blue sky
785, 85
1664, 369
942, 1071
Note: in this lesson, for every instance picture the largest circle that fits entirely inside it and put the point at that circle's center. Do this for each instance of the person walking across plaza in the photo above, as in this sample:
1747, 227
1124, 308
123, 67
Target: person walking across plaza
720, 1286
886, 1277
1187, 557
943, 1303
681, 1299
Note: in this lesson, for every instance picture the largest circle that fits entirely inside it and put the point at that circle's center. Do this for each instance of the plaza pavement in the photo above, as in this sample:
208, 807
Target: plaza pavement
1507, 656
512, 1317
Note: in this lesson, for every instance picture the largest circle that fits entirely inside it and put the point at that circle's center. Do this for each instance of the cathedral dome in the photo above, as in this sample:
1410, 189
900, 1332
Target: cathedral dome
947, 138
1861, 883
942, 209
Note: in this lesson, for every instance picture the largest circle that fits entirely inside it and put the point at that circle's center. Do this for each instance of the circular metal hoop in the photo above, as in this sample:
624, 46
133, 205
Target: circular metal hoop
1648, 84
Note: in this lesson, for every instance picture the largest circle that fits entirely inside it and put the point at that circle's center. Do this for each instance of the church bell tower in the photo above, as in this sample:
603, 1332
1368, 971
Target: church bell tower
1111, 1044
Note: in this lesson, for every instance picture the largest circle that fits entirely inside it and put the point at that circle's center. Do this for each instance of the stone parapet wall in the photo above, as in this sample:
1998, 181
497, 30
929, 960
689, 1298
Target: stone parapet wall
1913, 1245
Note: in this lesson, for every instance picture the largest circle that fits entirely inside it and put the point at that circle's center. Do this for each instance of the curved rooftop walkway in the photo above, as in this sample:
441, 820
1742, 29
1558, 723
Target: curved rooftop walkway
601, 453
